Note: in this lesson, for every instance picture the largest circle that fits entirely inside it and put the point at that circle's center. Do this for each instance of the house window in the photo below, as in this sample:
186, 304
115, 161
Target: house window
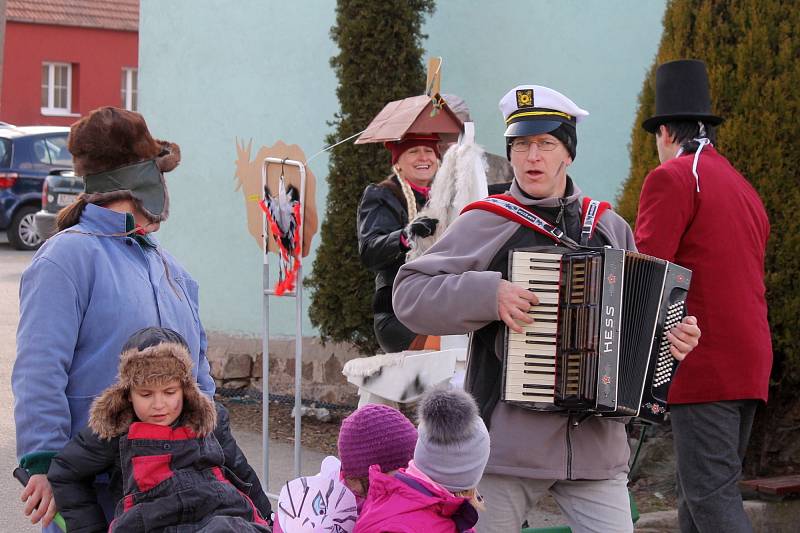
129, 90
56, 88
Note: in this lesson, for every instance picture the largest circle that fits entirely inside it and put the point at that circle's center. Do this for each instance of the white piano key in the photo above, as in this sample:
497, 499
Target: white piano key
518, 349
537, 255
519, 397
549, 328
530, 379
535, 273
537, 366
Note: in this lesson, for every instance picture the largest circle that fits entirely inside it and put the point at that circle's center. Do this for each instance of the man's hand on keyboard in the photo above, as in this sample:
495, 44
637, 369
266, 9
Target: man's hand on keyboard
513, 304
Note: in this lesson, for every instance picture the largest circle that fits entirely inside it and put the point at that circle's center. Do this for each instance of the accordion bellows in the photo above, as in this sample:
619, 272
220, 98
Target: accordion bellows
598, 342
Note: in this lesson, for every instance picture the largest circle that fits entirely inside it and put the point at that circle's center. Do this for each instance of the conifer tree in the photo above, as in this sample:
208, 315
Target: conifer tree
380, 60
751, 49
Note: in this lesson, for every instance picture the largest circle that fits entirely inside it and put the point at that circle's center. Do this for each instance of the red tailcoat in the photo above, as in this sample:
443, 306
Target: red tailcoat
720, 233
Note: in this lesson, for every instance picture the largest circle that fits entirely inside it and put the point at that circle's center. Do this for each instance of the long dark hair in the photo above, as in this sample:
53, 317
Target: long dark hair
71, 215
684, 132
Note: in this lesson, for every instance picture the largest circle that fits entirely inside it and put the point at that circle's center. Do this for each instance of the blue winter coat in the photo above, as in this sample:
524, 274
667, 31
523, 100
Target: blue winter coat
81, 298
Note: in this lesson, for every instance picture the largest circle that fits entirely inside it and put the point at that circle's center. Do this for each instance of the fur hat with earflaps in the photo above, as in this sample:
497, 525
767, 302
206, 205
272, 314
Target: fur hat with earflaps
152, 356
119, 160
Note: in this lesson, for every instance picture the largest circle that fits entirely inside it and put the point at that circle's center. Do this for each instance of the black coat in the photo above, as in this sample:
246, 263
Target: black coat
382, 215
72, 474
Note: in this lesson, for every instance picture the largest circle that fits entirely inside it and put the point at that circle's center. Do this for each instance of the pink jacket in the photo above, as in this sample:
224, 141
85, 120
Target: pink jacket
408, 504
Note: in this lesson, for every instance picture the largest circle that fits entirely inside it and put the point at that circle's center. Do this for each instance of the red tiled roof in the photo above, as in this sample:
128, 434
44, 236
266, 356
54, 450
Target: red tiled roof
107, 14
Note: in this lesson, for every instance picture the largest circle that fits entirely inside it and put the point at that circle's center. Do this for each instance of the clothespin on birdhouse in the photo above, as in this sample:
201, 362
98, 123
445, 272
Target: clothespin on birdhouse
433, 83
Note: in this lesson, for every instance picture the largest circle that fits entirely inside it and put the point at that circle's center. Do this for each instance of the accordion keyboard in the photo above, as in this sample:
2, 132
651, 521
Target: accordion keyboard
531, 355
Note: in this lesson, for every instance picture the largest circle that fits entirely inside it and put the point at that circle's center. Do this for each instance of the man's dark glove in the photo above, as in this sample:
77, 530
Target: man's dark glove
420, 227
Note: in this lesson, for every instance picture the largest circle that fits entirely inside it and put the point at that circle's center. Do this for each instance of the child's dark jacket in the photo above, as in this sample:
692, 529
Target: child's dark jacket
161, 477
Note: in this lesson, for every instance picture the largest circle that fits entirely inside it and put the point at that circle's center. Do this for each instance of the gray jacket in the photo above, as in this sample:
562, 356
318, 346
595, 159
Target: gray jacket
452, 289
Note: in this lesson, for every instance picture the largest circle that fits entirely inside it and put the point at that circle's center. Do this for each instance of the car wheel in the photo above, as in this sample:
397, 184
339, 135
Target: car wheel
22, 233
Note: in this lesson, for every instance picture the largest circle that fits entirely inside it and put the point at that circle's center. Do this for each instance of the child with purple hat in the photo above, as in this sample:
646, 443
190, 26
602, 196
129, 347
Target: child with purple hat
374, 437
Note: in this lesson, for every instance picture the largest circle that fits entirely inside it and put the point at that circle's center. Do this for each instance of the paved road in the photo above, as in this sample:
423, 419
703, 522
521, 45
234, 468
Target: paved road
12, 263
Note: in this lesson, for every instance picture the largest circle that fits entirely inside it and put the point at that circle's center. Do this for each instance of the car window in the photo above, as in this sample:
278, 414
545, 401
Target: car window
58, 152
51, 152
5, 153
41, 155
30, 153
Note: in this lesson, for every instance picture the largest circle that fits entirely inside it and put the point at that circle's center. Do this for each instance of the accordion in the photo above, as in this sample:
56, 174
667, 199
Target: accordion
598, 343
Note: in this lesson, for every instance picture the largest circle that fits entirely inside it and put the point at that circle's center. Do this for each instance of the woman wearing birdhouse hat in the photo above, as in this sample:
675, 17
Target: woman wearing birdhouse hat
385, 227
411, 130
93, 284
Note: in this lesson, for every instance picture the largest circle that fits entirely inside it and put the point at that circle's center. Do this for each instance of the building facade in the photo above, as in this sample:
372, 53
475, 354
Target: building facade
63, 58
266, 76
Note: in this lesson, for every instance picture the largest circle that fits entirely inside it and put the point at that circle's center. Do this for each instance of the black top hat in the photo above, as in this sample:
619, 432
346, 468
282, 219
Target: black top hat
682, 94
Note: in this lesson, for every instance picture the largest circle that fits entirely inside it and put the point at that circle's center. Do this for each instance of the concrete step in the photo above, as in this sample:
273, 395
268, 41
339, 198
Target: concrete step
766, 517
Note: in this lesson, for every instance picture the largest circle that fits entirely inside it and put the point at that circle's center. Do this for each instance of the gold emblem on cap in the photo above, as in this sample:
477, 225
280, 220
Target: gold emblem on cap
524, 98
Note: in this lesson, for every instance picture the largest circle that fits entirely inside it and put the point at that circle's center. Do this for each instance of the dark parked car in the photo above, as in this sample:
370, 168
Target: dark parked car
27, 155
60, 189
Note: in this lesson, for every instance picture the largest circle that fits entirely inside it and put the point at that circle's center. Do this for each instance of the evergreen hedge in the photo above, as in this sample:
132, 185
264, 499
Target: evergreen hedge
380, 60
752, 51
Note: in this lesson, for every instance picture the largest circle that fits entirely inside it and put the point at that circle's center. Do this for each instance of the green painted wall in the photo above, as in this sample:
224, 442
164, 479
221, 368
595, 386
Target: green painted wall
595, 52
212, 71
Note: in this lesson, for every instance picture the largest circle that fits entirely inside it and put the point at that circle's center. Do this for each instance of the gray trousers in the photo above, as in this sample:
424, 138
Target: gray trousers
710, 442
596, 506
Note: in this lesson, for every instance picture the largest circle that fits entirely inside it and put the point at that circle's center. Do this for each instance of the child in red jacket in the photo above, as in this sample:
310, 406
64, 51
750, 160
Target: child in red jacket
168, 451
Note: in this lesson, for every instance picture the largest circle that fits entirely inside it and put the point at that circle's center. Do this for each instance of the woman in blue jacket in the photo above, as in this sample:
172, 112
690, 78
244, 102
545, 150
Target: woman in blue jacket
92, 285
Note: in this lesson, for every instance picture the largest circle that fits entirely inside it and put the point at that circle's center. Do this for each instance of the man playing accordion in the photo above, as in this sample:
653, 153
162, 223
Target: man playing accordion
460, 286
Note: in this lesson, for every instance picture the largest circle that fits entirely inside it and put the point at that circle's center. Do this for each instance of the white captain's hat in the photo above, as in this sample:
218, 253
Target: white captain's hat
533, 109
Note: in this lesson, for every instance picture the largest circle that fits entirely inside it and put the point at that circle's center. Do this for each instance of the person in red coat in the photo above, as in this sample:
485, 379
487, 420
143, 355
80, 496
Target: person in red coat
698, 211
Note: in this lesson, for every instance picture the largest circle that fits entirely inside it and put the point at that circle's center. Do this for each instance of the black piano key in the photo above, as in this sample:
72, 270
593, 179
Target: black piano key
534, 386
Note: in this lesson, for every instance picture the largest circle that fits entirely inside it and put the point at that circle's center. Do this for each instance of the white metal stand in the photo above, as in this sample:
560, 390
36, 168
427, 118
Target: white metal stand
298, 346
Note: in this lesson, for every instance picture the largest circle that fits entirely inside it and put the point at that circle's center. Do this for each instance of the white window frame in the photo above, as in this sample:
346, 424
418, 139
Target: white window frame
50, 109
127, 88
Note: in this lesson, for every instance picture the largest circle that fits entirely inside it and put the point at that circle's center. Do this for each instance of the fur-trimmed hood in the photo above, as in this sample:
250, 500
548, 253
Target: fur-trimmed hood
112, 412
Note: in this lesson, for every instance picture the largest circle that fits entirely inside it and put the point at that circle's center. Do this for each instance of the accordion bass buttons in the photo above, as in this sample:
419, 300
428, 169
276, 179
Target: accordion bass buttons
666, 363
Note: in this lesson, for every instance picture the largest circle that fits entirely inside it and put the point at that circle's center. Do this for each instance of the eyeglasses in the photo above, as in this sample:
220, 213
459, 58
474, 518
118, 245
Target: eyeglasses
523, 145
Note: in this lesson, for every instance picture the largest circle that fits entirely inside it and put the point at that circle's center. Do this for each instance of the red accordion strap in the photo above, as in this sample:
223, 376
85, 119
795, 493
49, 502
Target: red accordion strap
591, 211
509, 207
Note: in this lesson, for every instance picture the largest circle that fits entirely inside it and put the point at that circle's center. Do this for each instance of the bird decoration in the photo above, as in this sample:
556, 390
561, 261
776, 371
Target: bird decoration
284, 221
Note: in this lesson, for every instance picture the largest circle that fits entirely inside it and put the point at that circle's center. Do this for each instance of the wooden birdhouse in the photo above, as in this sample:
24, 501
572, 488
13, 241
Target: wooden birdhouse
418, 115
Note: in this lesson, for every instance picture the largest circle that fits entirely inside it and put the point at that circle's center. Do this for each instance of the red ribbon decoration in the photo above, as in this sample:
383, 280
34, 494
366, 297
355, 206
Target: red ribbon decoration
289, 262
